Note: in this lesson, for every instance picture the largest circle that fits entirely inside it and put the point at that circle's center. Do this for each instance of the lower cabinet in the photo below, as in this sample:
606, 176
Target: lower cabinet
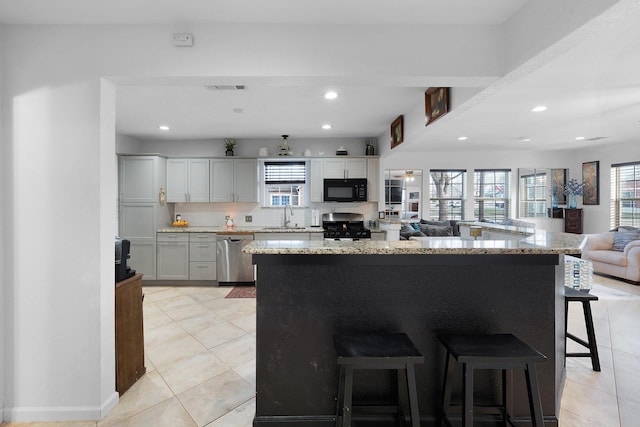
202, 256
173, 256
282, 236
378, 235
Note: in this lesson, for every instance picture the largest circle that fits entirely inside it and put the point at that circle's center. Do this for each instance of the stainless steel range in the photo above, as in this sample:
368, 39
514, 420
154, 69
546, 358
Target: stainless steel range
344, 226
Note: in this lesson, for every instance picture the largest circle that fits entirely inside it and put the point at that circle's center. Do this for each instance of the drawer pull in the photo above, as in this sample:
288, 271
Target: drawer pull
203, 246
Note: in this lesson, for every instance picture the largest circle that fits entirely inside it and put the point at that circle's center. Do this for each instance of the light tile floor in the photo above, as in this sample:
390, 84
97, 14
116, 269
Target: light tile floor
200, 358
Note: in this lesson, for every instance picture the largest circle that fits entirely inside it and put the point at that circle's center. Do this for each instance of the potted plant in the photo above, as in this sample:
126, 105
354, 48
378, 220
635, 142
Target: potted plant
229, 143
370, 150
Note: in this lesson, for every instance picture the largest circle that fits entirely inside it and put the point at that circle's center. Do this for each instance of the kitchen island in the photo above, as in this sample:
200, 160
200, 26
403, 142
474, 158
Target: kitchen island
309, 290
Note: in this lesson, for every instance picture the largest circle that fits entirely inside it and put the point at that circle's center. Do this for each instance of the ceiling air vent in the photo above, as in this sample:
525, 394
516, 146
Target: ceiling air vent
596, 138
225, 87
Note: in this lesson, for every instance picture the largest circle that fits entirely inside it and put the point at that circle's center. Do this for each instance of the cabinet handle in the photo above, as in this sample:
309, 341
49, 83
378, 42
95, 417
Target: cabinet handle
202, 266
203, 246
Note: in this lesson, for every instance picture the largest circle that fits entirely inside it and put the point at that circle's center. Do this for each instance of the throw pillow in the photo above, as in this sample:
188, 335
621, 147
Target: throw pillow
436, 230
407, 231
622, 239
415, 226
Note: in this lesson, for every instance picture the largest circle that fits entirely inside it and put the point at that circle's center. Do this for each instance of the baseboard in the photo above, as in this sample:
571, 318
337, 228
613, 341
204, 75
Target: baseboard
60, 413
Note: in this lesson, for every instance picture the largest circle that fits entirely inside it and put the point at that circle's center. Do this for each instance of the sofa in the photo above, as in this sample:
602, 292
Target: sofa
427, 228
614, 253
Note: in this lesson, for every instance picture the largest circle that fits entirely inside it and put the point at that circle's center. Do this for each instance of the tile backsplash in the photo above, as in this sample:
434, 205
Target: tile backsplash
213, 214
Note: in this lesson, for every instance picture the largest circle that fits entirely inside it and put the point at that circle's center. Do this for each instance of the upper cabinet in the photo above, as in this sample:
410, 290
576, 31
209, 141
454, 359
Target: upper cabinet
345, 168
316, 177
140, 178
187, 180
234, 180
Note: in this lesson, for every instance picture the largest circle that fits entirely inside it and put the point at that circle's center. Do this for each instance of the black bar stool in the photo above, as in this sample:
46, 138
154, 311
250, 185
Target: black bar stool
585, 298
493, 351
376, 351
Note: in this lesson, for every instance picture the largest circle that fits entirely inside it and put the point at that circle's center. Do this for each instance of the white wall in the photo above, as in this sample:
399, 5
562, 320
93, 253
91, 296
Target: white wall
5, 168
58, 164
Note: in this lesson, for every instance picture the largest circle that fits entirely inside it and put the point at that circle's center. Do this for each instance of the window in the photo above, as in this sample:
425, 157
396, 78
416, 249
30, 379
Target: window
446, 194
285, 183
491, 194
625, 192
533, 193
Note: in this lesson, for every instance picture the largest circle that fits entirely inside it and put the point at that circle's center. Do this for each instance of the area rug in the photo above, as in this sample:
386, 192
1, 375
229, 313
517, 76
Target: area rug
242, 292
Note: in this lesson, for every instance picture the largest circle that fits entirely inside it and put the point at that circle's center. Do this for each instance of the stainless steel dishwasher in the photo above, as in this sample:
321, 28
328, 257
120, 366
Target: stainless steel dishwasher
233, 266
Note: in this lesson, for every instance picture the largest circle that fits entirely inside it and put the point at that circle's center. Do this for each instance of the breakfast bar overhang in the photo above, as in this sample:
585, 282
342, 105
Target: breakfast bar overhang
307, 291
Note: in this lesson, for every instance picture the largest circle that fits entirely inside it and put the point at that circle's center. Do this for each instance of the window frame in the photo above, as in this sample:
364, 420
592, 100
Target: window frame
617, 200
283, 188
480, 200
458, 203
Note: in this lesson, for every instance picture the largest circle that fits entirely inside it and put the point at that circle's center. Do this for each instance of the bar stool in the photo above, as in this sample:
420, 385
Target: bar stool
574, 295
493, 351
376, 351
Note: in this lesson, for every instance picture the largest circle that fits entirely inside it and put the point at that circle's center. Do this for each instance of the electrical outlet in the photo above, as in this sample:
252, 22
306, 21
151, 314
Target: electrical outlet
182, 40
248, 218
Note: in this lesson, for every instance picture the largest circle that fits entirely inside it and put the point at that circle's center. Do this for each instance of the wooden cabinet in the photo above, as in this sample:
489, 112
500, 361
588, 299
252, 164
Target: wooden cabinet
573, 221
345, 168
129, 333
173, 256
234, 180
187, 180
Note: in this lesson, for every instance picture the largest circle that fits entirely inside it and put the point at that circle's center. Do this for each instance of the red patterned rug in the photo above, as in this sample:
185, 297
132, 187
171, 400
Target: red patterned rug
242, 292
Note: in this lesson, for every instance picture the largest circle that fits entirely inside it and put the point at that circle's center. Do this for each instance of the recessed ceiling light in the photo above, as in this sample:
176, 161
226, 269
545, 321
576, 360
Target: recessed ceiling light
163, 127
462, 138
524, 139
326, 127
580, 138
539, 108
330, 95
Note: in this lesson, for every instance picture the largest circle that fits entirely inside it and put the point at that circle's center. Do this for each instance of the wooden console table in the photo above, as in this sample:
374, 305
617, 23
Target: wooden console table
129, 333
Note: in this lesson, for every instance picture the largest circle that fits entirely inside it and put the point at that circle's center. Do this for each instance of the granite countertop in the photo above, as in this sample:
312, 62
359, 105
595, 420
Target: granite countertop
525, 231
541, 243
239, 229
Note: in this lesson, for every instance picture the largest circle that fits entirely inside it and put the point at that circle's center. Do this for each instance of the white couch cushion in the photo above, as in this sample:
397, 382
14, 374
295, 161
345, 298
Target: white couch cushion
607, 257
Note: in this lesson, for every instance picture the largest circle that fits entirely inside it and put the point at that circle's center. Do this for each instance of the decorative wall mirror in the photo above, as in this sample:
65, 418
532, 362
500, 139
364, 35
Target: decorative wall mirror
540, 192
403, 193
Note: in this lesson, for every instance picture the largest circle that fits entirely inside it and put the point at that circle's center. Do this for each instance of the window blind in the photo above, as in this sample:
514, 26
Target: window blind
285, 172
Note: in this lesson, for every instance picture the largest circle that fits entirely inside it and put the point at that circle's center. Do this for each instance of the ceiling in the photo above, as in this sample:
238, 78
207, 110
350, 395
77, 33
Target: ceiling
591, 89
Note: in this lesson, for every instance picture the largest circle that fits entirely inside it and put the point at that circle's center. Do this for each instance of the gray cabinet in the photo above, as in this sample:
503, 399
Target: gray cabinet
234, 180
187, 180
141, 182
202, 256
173, 256
291, 235
316, 178
345, 168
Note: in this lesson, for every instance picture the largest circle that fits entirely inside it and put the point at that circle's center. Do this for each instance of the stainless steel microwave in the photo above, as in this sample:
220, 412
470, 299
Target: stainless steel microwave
345, 190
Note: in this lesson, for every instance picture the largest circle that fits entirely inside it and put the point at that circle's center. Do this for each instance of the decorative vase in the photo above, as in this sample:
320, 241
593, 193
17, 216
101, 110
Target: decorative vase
370, 150
229, 152
554, 200
572, 201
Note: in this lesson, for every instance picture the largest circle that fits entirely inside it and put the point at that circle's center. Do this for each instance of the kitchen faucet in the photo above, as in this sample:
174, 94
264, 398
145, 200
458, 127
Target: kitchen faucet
287, 221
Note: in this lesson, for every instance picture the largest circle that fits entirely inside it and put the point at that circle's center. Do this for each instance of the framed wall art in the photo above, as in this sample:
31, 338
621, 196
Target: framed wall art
436, 103
397, 131
558, 180
590, 178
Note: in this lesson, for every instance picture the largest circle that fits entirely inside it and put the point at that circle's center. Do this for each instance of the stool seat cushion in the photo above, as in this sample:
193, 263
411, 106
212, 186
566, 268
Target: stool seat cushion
575, 295
469, 348
376, 346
